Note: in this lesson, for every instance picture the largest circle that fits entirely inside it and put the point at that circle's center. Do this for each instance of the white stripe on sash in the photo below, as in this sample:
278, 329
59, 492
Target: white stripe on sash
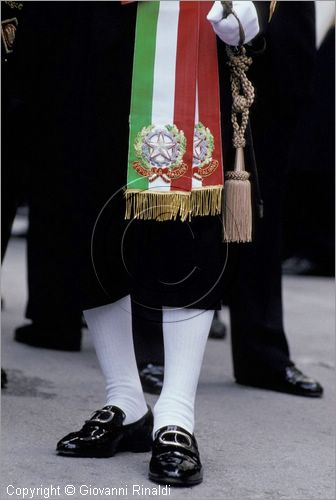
164, 72
165, 63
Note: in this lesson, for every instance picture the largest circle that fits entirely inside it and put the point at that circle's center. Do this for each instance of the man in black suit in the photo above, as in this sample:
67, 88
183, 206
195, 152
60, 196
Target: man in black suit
258, 336
13, 171
283, 78
56, 322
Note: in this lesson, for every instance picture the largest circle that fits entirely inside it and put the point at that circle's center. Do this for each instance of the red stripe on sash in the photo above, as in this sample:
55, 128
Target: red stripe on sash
185, 84
208, 91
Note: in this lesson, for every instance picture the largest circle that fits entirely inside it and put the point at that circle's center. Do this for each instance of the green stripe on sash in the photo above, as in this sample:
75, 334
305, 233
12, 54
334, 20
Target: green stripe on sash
142, 84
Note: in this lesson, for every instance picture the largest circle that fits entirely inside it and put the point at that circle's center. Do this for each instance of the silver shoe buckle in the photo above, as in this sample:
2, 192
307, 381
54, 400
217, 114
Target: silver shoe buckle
175, 442
102, 420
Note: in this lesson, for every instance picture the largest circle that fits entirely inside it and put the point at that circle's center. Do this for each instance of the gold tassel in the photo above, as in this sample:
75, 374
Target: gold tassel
237, 202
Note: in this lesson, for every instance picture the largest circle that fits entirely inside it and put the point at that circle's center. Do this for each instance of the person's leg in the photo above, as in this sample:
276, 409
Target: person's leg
125, 423
52, 264
175, 456
148, 345
258, 339
111, 330
185, 333
147, 334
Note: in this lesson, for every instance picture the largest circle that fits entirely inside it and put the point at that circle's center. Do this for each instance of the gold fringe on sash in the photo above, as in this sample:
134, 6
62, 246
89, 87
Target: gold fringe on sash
206, 201
162, 206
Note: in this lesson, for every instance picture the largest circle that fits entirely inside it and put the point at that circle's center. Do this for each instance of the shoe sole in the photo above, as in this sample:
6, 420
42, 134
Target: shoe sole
282, 390
174, 481
121, 446
84, 455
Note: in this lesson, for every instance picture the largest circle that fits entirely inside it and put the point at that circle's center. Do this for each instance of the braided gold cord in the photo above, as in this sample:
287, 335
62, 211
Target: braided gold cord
239, 175
242, 93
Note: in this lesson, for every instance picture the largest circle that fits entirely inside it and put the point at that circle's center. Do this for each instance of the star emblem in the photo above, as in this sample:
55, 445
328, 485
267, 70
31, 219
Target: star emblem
160, 148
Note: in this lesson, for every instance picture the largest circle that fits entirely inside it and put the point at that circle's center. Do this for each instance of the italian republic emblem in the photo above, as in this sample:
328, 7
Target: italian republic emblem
203, 164
159, 151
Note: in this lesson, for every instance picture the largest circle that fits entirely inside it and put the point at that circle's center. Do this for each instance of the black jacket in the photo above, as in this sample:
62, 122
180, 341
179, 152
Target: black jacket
73, 68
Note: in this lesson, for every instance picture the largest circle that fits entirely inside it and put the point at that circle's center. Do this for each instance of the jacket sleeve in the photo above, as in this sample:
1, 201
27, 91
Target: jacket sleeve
258, 44
263, 10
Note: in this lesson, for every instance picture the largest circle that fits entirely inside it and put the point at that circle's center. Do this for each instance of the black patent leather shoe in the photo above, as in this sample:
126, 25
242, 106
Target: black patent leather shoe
104, 434
290, 381
175, 458
151, 377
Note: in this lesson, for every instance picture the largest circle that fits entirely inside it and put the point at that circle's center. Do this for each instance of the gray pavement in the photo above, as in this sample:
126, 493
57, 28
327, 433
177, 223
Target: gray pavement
254, 444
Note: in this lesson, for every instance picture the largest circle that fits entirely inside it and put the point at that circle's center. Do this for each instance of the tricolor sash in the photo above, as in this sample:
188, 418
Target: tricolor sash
175, 165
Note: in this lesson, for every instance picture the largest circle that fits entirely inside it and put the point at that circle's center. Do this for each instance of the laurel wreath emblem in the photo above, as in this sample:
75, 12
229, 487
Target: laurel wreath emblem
176, 143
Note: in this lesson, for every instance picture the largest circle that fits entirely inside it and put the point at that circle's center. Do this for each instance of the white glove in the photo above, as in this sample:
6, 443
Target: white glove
228, 29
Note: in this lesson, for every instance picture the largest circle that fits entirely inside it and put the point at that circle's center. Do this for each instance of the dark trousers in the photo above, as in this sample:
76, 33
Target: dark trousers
13, 171
147, 335
310, 225
253, 284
